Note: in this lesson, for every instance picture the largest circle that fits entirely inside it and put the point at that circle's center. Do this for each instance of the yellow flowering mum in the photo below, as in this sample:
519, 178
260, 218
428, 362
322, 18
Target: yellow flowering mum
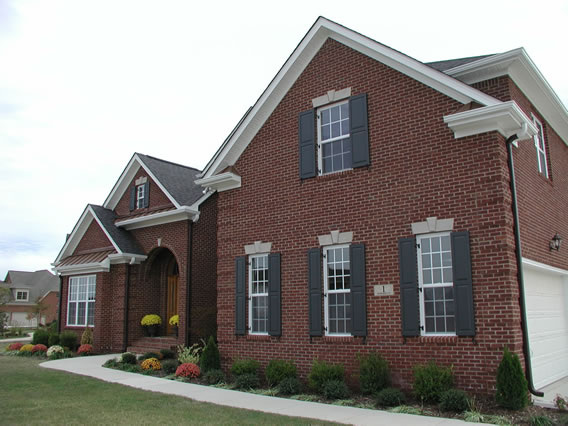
26, 348
151, 364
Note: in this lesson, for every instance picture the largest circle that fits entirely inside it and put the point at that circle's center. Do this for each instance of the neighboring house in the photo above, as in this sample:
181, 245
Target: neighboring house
364, 205
28, 289
149, 249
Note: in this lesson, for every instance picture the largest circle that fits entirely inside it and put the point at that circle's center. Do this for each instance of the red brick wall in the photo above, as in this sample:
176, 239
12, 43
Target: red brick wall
51, 301
94, 238
418, 169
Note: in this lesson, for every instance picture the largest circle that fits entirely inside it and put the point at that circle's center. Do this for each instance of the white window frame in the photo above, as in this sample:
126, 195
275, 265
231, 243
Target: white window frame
422, 286
538, 138
140, 194
26, 293
327, 292
321, 143
257, 295
91, 283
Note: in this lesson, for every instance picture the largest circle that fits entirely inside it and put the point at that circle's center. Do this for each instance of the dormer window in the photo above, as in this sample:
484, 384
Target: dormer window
22, 295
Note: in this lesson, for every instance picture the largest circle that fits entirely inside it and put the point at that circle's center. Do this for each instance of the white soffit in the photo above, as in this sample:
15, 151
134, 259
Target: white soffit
220, 182
522, 70
301, 57
506, 118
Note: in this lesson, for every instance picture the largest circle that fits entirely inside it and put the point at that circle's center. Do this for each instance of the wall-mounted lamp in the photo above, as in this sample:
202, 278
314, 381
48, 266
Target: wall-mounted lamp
555, 242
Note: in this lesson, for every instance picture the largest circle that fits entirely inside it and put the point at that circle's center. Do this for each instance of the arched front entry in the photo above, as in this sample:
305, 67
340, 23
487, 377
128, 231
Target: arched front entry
163, 276
172, 294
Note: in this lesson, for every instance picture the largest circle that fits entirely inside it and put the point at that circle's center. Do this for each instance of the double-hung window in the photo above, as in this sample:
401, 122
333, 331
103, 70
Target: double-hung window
140, 193
333, 137
22, 295
81, 301
337, 290
258, 294
437, 306
539, 144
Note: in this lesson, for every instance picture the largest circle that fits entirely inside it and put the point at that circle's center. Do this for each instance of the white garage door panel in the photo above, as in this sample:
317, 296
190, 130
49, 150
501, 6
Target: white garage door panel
547, 314
19, 319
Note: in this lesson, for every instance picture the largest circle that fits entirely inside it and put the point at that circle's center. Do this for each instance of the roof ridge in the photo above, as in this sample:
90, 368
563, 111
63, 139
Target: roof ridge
169, 162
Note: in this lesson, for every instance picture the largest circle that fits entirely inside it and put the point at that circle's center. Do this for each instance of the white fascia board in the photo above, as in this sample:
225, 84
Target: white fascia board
76, 234
533, 264
181, 213
523, 71
506, 118
221, 182
302, 56
131, 258
121, 186
85, 268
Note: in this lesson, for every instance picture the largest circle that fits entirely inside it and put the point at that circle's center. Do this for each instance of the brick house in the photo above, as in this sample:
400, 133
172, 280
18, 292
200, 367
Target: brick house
365, 204
27, 290
149, 249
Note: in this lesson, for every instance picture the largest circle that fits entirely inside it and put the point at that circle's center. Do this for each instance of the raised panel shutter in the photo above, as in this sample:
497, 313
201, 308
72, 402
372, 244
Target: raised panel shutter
274, 295
307, 140
314, 290
132, 198
358, 292
463, 285
408, 287
240, 295
359, 130
146, 194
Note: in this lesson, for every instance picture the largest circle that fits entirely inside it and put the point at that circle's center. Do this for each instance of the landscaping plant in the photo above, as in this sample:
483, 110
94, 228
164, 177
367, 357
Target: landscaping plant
289, 386
188, 370
374, 373
278, 370
189, 355
335, 389
511, 383
431, 380
390, 397
85, 349
210, 358
167, 354
151, 364
246, 381
15, 346
454, 400
214, 376
68, 339
128, 358
169, 366
40, 336
149, 355
55, 352
323, 372
39, 349
244, 366
26, 349
87, 337
53, 339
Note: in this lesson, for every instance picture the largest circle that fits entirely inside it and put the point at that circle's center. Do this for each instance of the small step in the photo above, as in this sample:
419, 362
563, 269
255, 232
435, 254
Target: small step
152, 344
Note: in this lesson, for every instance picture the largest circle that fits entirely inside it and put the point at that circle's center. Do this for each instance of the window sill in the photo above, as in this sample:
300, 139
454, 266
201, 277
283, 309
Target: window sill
338, 339
335, 175
258, 337
439, 340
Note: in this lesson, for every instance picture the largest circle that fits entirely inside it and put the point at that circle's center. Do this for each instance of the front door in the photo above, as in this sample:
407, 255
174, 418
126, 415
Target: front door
172, 302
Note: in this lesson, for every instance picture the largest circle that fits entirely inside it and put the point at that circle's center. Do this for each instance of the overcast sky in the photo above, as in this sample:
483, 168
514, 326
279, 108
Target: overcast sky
85, 84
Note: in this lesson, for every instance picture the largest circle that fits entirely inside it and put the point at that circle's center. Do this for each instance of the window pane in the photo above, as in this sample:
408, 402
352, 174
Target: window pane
446, 259
345, 110
430, 325
327, 165
91, 314
435, 244
325, 132
425, 245
337, 164
81, 311
448, 275
72, 313
427, 277
345, 127
335, 113
436, 260
426, 261
436, 276
446, 243
326, 150
335, 130
325, 116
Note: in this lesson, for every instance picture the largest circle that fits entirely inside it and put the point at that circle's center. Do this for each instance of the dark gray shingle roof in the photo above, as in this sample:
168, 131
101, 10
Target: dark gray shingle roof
121, 237
38, 283
177, 179
452, 63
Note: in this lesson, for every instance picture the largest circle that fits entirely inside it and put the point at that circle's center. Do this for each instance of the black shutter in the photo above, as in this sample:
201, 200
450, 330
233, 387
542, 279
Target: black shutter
358, 293
463, 285
359, 130
307, 144
408, 287
146, 194
274, 295
132, 198
314, 290
240, 295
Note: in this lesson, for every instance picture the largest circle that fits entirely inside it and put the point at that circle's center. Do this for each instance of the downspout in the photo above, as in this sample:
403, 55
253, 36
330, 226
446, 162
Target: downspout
189, 270
524, 324
59, 304
126, 307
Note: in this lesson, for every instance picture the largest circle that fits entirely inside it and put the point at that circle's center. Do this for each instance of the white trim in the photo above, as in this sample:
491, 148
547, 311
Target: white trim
335, 237
432, 224
182, 213
539, 137
331, 96
221, 182
506, 118
326, 291
533, 264
331, 139
258, 247
250, 297
131, 258
522, 70
323, 29
22, 291
84, 268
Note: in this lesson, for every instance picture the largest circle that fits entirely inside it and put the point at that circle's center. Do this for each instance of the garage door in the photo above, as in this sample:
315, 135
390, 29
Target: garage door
19, 319
546, 290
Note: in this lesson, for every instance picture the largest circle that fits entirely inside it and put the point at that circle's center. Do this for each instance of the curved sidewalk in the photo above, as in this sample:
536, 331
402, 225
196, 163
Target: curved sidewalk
92, 366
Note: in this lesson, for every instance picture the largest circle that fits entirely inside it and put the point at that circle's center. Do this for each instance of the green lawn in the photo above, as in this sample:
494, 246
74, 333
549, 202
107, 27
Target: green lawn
30, 394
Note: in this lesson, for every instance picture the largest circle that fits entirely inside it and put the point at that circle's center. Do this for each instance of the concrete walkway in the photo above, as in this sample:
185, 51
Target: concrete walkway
27, 338
92, 366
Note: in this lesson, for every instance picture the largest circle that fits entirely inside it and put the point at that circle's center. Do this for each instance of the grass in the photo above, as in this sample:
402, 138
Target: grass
32, 395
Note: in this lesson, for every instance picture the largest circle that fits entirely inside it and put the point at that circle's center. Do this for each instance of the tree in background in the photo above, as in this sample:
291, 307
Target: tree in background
5, 297
37, 311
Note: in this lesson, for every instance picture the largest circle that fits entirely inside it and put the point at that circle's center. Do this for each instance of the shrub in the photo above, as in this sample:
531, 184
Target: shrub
210, 358
189, 355
167, 354
149, 355
540, 421
431, 380
289, 386
68, 339
151, 364
278, 370
131, 368
335, 389
323, 372
246, 381
454, 400
390, 397
52, 327
39, 348
111, 363
151, 319
511, 383
374, 373
27, 348
15, 346
55, 352
170, 366
53, 339
244, 366
128, 358
85, 349
87, 337
188, 369
214, 376
40, 337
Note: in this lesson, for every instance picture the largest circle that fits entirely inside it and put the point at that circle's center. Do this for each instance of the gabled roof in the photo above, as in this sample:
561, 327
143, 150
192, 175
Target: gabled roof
322, 30
174, 180
38, 283
452, 63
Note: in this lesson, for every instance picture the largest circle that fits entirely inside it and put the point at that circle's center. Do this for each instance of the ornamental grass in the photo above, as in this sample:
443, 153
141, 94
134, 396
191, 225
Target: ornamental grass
189, 370
151, 364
